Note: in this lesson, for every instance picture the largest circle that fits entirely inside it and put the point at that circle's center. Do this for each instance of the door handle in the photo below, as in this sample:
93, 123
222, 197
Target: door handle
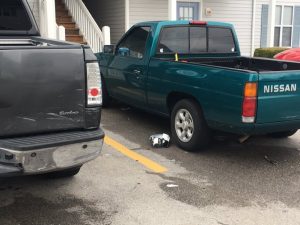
137, 72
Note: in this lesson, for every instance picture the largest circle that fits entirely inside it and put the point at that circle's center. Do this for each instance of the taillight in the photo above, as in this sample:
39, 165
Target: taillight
94, 89
196, 22
249, 103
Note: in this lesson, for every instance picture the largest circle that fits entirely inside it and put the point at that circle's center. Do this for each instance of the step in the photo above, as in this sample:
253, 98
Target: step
64, 19
68, 25
75, 38
73, 31
62, 13
60, 7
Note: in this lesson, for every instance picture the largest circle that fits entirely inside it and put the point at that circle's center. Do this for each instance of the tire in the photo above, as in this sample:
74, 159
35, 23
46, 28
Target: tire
105, 96
64, 173
283, 134
198, 135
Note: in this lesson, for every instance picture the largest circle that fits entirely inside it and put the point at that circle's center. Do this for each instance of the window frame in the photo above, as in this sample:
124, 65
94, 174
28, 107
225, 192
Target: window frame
126, 36
281, 26
207, 40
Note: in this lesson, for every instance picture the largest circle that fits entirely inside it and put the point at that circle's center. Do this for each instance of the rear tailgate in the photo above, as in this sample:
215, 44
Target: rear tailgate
41, 90
278, 96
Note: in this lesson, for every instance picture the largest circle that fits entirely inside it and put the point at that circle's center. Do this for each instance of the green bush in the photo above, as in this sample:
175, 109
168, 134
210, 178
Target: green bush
268, 52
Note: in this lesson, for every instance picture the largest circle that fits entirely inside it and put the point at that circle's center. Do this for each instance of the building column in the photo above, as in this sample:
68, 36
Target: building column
127, 15
48, 26
172, 9
271, 22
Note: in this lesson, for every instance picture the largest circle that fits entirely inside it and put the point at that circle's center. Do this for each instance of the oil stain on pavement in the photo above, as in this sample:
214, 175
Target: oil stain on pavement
27, 209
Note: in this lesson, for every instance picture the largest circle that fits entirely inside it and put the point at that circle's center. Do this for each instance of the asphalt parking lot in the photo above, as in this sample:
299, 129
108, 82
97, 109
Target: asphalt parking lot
230, 183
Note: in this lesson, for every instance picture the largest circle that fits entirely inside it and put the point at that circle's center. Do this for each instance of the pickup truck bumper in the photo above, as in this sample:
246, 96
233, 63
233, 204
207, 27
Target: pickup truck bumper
257, 128
49, 153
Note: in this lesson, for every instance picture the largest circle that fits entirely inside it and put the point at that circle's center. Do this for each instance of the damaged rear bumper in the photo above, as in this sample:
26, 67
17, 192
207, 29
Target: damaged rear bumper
49, 153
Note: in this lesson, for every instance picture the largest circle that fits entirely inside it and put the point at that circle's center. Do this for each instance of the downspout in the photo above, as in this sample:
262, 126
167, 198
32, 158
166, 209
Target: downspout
253, 27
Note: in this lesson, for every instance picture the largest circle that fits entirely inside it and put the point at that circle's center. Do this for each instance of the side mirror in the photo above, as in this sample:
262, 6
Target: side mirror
109, 49
123, 51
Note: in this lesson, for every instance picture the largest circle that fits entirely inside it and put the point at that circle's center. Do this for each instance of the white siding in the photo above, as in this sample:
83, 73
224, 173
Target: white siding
147, 10
34, 5
237, 12
257, 32
109, 13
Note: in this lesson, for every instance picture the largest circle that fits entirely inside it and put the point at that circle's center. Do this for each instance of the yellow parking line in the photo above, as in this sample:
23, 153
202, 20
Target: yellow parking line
135, 156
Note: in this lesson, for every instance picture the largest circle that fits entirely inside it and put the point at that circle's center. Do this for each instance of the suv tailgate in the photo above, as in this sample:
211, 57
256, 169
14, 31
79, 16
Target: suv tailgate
278, 96
41, 90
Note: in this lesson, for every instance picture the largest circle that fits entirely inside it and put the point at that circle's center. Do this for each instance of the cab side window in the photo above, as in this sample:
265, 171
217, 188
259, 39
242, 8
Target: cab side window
134, 44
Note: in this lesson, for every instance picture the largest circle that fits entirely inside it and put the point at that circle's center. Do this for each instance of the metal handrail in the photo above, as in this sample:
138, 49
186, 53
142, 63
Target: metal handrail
86, 23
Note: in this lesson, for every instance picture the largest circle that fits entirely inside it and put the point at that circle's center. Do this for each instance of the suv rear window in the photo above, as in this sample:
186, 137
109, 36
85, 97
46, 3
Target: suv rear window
193, 40
13, 16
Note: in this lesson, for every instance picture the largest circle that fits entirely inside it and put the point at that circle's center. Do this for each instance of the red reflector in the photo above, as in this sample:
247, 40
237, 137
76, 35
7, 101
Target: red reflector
249, 107
195, 22
94, 92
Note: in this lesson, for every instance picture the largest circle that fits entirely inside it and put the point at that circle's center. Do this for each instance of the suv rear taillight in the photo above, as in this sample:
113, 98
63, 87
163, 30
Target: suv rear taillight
94, 89
249, 103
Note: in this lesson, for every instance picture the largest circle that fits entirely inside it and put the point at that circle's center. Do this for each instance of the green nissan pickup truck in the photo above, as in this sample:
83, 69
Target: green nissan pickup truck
193, 73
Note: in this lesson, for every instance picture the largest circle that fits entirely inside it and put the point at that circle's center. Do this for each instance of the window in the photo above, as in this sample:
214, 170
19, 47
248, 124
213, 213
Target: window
174, 40
283, 26
134, 44
193, 39
198, 40
188, 10
183, 40
220, 40
13, 16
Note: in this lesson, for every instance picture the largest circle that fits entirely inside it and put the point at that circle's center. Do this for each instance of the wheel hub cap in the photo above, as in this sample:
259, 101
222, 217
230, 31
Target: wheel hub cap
184, 125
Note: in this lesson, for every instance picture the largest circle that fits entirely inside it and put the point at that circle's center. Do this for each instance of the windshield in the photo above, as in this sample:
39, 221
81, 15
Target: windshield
13, 16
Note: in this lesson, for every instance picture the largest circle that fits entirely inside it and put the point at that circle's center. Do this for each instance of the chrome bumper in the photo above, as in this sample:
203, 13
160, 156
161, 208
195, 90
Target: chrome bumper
45, 160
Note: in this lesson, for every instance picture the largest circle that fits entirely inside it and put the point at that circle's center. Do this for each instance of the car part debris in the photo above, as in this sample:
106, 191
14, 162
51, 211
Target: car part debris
160, 140
172, 185
270, 160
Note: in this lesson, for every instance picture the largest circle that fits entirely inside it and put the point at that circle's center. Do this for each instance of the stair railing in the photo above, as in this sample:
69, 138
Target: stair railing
86, 23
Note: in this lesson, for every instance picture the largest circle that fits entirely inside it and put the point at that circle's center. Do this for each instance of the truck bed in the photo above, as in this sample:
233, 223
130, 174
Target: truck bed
247, 63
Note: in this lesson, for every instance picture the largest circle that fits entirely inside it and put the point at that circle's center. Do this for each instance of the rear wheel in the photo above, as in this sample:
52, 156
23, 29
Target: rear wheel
64, 173
283, 134
188, 126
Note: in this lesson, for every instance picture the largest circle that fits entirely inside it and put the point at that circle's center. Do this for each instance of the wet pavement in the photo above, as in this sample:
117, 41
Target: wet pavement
230, 183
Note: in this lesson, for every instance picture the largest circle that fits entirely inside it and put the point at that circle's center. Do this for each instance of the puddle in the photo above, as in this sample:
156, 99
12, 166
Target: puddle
26, 209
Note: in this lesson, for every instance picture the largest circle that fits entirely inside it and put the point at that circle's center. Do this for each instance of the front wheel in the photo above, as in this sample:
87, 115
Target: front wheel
283, 134
188, 126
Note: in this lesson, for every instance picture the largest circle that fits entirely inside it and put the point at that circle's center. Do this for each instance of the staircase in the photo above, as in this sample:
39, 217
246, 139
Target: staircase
64, 19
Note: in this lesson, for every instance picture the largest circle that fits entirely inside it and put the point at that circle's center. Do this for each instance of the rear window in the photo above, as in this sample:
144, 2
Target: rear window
174, 40
195, 39
198, 39
13, 16
220, 40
